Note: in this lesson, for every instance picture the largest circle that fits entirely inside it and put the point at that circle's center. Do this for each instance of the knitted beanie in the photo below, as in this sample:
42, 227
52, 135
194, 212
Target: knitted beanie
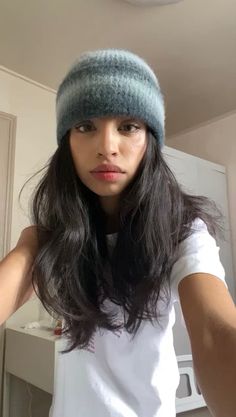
110, 82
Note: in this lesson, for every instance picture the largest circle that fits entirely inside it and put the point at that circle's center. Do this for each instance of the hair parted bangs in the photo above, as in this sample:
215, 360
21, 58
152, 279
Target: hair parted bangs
74, 274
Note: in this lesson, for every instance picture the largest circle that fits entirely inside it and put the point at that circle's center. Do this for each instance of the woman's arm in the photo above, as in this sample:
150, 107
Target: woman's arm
210, 317
15, 274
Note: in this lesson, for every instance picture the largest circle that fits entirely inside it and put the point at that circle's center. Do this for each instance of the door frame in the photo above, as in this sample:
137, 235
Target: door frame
7, 215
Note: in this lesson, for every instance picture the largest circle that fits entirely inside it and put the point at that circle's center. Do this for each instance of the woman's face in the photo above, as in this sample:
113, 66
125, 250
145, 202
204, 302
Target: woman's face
120, 141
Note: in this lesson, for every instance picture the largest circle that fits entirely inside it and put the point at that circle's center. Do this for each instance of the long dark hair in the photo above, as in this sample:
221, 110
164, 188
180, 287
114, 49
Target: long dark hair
73, 273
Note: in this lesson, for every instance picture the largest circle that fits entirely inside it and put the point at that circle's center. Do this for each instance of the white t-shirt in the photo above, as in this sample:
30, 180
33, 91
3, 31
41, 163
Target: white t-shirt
119, 377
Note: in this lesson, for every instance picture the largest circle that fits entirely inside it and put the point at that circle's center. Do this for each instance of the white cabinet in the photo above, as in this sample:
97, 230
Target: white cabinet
200, 177
31, 355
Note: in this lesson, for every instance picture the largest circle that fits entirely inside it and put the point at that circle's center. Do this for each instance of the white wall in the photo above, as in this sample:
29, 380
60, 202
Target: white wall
34, 107
216, 142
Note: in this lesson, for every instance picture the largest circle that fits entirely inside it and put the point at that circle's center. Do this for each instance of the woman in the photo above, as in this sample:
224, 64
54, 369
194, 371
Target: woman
118, 243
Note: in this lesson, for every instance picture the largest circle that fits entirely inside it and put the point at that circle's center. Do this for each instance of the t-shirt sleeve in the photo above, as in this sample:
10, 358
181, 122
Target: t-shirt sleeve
197, 253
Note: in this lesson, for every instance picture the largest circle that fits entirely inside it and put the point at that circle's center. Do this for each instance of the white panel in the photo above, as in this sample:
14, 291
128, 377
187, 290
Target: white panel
213, 183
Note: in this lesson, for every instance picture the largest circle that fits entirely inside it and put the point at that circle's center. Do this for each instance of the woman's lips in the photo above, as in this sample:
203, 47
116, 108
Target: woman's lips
107, 175
107, 168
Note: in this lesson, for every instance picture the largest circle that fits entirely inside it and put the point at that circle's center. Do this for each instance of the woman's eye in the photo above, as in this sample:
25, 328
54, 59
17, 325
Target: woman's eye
130, 127
84, 127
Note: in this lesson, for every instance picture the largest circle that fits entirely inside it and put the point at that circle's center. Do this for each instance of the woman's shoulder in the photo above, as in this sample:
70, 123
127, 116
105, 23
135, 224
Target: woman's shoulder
197, 234
199, 252
198, 225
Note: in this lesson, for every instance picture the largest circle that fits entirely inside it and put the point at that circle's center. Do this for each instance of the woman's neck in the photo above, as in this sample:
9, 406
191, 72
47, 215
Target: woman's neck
112, 225
110, 206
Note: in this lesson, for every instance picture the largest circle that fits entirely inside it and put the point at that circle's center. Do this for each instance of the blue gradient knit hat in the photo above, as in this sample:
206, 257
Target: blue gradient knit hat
110, 82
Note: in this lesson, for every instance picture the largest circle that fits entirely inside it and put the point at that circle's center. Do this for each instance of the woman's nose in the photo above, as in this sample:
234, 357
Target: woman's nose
108, 140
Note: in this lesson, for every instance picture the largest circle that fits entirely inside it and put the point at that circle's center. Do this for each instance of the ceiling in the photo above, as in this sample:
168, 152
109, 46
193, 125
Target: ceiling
191, 46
